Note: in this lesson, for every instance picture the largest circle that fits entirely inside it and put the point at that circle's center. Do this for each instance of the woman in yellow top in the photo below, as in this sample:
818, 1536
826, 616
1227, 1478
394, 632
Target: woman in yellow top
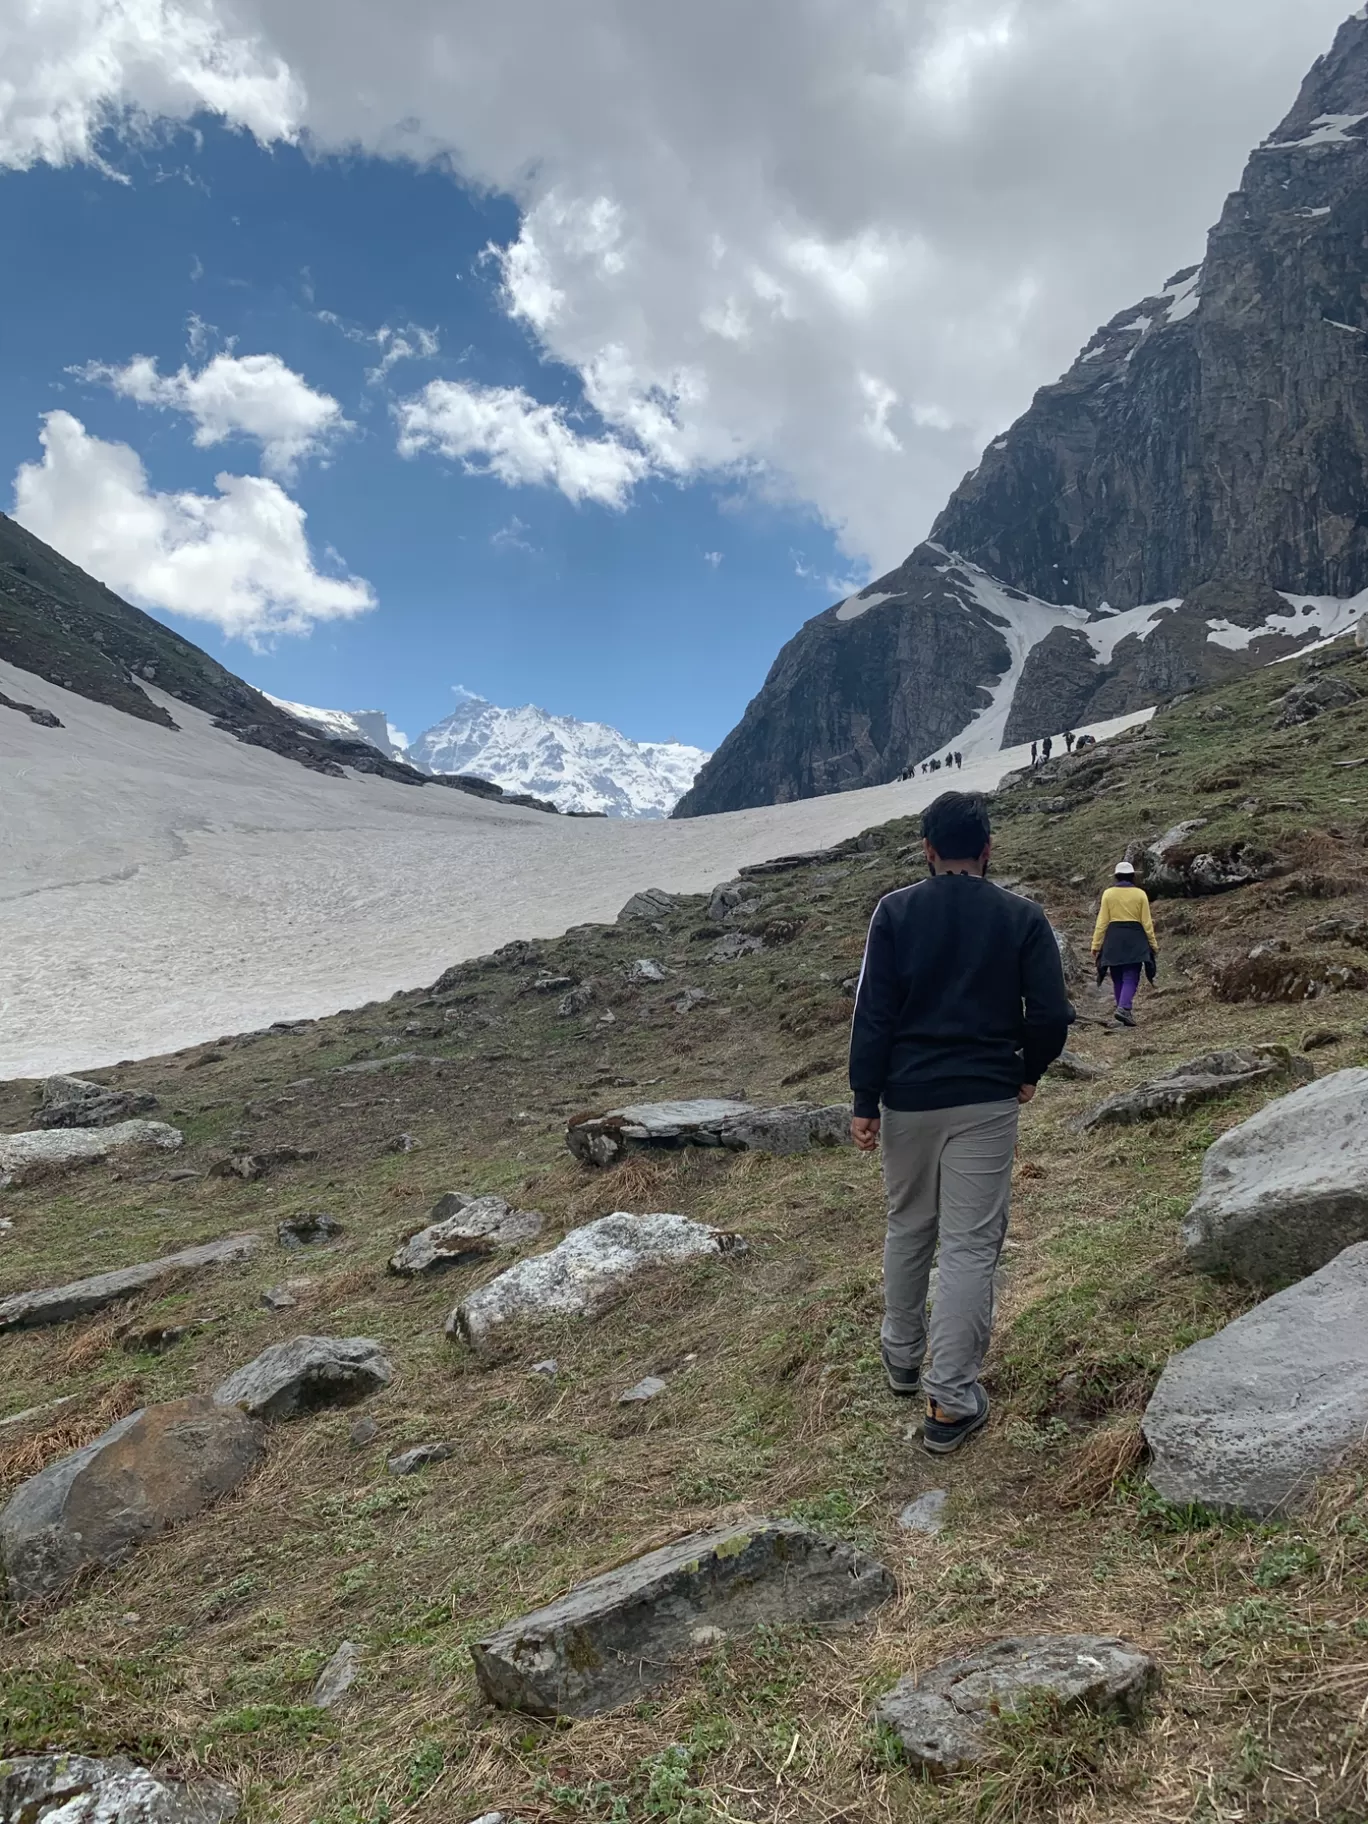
1124, 942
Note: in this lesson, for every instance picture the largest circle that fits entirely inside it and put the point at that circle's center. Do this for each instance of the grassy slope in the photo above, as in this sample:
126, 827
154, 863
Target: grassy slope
203, 1649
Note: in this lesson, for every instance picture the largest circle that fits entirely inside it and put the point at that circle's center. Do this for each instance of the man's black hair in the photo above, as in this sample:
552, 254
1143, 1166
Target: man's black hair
956, 825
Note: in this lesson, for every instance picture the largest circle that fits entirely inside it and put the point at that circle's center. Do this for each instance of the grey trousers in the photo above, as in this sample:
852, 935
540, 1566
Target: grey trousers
948, 1177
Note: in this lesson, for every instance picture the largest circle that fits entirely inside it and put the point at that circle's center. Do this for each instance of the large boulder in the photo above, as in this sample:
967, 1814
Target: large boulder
1312, 697
1285, 1191
56, 1304
465, 1229
160, 1465
48, 1152
651, 905
587, 1270
604, 1139
76, 1789
1214, 1073
1246, 1420
944, 1717
1176, 864
74, 1102
617, 1635
305, 1374
740, 1126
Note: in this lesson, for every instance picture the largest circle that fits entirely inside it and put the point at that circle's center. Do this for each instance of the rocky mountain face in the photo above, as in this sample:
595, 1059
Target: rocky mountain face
62, 625
1190, 499
584, 767
345, 724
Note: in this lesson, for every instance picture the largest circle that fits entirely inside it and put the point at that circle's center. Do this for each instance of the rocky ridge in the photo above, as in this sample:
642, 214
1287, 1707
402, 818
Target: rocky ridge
1185, 504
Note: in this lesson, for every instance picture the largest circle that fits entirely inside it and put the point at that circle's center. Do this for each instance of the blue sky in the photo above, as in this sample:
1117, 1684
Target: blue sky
515, 592
764, 282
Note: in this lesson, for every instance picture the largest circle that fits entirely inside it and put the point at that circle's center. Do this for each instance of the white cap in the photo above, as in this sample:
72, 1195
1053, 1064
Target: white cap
1123, 867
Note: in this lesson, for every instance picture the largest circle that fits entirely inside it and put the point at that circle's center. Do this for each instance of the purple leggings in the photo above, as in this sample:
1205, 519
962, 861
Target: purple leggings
1125, 981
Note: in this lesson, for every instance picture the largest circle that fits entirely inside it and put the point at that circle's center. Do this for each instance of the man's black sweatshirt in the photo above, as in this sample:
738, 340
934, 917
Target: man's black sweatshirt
961, 998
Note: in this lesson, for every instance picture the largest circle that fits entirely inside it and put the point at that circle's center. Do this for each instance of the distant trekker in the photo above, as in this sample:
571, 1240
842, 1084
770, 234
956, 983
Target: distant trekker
960, 1010
1047, 746
1069, 739
1035, 754
1123, 941
959, 760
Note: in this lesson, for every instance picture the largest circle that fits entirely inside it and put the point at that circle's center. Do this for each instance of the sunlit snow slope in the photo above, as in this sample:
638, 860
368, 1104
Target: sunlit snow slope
163, 886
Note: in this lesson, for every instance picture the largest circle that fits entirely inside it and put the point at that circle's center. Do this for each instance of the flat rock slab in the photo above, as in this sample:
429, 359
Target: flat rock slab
466, 1229
742, 1126
56, 1304
75, 1789
1076, 1069
1285, 1191
584, 1272
305, 1374
418, 1456
926, 1514
337, 1677
1246, 1420
944, 1718
1215, 1073
74, 1102
48, 1152
160, 1465
620, 1634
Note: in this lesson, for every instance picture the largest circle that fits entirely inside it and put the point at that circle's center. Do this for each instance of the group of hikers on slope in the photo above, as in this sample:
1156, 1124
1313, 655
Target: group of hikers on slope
961, 1009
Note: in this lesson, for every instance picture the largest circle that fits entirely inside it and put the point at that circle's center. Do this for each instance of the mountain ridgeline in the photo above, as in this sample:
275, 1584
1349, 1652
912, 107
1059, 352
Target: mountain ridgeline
1204, 460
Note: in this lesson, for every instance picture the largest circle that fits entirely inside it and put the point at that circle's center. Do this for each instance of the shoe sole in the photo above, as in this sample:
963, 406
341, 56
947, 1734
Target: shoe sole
945, 1450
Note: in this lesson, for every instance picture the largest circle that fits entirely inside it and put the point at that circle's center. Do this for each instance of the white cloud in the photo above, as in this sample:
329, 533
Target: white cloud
713, 558
411, 343
254, 396
504, 432
239, 559
397, 736
733, 219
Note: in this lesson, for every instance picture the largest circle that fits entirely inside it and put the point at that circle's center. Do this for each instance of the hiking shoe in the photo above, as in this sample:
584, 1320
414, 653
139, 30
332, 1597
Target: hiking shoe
901, 1381
1126, 1017
941, 1434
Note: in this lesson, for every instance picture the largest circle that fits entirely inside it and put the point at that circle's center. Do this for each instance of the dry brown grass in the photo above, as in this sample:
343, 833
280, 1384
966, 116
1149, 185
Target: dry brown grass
25, 1455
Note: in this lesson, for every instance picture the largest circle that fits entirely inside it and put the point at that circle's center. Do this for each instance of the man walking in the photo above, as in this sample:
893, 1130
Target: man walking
960, 1010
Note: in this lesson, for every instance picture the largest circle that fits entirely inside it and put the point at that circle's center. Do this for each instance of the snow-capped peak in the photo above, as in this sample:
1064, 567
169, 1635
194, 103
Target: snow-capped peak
580, 766
347, 724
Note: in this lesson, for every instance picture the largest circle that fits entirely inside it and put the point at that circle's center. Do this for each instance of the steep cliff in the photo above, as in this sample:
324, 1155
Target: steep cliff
1208, 448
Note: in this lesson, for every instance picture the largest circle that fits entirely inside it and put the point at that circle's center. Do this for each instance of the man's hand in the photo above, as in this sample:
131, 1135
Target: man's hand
1027, 1092
864, 1131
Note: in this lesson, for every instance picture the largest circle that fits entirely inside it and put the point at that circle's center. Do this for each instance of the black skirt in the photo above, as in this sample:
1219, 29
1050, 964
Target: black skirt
1124, 945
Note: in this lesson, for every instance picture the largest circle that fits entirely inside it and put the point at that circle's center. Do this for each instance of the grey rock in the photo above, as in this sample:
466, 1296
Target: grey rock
734, 946
25, 1158
73, 1102
1246, 1420
547, 1370
1313, 697
725, 899
1285, 1191
151, 1470
308, 1229
740, 1126
1075, 1069
578, 1277
691, 998
77, 1789
418, 1456
1177, 865
57, 1304
650, 906
926, 1514
603, 1139
279, 1298
362, 1431
620, 1634
552, 984
645, 969
648, 1388
306, 1373
1215, 1073
944, 1717
337, 1677
791, 1128
369, 1067
466, 1229
577, 1001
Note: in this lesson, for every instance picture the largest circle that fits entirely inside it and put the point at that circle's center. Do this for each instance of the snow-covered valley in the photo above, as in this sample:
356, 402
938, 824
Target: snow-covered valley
164, 886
